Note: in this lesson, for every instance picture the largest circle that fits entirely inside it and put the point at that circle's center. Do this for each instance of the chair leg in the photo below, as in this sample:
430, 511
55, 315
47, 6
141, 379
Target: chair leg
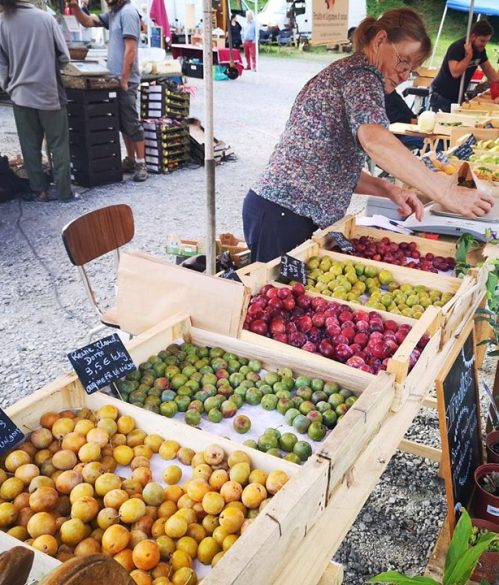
94, 331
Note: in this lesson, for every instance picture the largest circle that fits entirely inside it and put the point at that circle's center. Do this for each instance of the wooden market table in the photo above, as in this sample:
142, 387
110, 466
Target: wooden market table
299, 531
430, 141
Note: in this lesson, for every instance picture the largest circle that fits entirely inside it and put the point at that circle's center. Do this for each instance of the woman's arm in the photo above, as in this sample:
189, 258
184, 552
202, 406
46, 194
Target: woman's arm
392, 156
407, 201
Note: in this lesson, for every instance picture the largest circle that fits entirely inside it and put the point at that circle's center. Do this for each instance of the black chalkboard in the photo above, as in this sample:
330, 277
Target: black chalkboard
10, 434
230, 274
338, 240
292, 269
465, 150
102, 362
459, 413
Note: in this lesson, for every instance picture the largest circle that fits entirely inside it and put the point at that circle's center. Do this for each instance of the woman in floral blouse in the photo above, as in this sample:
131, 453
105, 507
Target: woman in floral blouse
336, 121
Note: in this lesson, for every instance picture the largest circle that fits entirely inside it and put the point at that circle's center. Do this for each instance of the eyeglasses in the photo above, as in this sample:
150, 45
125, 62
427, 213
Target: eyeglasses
402, 66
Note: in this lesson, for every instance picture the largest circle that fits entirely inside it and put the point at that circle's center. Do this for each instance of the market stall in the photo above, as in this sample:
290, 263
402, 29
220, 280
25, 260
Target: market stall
331, 474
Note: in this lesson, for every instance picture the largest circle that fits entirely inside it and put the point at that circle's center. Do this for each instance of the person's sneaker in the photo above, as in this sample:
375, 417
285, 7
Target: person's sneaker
140, 172
128, 165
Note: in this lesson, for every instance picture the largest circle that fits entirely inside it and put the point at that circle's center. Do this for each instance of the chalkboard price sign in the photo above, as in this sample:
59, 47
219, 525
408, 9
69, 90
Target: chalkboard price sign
338, 240
459, 414
102, 362
10, 434
292, 269
231, 274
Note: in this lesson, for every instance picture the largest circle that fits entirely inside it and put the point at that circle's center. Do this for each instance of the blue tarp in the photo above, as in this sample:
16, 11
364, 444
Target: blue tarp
488, 7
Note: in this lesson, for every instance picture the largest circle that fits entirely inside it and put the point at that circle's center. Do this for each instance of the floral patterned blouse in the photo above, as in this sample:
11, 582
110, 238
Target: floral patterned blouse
317, 162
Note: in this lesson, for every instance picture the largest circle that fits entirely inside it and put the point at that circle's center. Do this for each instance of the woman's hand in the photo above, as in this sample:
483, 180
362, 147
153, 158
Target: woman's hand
407, 201
467, 202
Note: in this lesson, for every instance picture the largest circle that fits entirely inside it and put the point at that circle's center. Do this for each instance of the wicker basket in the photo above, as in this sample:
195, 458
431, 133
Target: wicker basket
78, 53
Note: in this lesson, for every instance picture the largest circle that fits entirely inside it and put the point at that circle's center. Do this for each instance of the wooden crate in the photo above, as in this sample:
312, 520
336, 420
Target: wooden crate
257, 275
288, 520
471, 290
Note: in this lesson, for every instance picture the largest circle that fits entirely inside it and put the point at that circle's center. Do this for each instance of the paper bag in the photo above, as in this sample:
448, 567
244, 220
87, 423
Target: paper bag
150, 289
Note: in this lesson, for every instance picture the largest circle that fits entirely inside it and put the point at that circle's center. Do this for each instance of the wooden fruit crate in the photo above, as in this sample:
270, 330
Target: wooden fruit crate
289, 521
258, 274
469, 293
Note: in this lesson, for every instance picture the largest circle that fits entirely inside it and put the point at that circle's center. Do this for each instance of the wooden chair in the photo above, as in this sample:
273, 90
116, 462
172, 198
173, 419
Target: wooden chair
91, 236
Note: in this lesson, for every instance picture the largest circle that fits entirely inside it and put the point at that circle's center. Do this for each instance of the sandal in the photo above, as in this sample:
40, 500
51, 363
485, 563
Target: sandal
44, 196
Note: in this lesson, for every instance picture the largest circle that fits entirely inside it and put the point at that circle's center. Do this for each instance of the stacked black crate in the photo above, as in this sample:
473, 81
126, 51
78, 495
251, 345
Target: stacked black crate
164, 109
94, 139
166, 143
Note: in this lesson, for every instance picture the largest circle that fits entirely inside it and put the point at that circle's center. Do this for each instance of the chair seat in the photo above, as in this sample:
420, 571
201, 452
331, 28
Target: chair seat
110, 317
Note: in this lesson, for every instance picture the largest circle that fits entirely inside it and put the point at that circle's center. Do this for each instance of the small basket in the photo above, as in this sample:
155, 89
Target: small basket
78, 53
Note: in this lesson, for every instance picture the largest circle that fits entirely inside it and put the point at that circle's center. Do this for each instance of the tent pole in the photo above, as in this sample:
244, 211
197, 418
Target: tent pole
209, 160
257, 38
438, 35
468, 30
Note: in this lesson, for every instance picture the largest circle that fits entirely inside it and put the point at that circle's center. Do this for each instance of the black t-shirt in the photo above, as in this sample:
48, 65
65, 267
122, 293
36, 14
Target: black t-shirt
448, 86
396, 109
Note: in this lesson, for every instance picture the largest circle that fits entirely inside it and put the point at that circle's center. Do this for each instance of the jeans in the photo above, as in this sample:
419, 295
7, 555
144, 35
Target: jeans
32, 125
271, 230
439, 102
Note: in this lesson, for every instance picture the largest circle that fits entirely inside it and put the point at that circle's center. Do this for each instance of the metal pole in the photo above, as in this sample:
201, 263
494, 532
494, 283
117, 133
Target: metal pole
209, 158
470, 20
438, 35
257, 38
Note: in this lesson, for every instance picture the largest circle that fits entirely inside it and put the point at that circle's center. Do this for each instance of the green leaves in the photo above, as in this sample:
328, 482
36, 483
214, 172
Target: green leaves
464, 567
460, 561
464, 244
397, 579
459, 544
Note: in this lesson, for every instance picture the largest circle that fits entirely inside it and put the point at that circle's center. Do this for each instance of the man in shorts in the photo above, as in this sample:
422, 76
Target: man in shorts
123, 23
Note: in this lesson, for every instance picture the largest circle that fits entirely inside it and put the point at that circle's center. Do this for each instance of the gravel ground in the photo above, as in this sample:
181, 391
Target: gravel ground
44, 313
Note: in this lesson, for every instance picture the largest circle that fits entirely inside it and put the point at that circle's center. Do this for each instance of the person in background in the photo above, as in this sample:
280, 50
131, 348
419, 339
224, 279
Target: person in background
86, 34
123, 23
249, 41
235, 32
32, 51
462, 58
398, 111
337, 120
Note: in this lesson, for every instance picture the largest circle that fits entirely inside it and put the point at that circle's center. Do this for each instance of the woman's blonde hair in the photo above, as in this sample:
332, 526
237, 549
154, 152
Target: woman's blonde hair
400, 24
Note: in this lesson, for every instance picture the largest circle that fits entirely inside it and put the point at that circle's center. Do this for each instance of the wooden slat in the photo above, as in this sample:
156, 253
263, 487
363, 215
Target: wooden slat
345, 375
274, 355
333, 575
420, 450
96, 233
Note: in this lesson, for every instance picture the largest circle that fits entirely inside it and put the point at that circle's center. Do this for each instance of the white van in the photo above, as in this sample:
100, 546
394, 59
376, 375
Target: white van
275, 14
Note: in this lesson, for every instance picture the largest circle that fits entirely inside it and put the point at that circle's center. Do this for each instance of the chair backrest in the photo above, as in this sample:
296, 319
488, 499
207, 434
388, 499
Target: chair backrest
96, 233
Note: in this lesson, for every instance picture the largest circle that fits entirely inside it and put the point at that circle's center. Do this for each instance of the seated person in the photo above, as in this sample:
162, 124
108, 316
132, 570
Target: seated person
398, 111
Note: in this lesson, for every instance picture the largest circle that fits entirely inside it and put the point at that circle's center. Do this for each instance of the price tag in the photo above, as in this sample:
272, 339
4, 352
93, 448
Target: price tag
442, 157
465, 150
429, 163
292, 269
10, 434
231, 274
338, 240
102, 362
